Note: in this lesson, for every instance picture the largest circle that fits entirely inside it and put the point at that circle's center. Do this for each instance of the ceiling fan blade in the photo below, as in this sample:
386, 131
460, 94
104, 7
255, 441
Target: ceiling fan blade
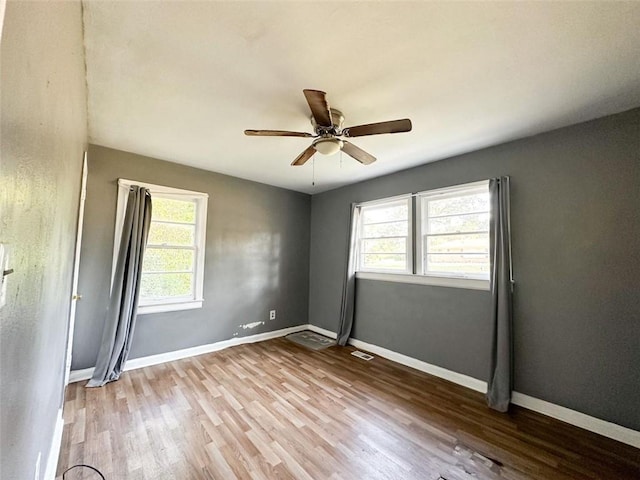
393, 126
357, 153
304, 156
319, 106
276, 133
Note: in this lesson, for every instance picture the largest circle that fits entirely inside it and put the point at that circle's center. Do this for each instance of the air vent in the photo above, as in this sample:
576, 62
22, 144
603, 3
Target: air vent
362, 355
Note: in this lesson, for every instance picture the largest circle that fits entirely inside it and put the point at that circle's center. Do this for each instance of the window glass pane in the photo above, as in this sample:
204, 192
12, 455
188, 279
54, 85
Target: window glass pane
168, 209
385, 236
167, 260
385, 213
474, 222
458, 243
393, 229
458, 263
171, 234
385, 245
165, 285
478, 202
384, 261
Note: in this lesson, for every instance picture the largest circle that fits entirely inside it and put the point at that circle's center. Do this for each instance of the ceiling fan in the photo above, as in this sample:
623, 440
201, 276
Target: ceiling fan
327, 125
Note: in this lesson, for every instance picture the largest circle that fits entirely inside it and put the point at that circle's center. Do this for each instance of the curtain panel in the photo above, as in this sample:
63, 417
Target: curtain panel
500, 384
347, 307
121, 314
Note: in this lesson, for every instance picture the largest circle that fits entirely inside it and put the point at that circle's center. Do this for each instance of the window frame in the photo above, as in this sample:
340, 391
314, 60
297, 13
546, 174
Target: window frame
196, 299
410, 237
414, 273
443, 193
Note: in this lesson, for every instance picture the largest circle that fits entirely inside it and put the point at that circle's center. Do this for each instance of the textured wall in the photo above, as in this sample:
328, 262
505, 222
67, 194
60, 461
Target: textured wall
257, 257
43, 139
575, 199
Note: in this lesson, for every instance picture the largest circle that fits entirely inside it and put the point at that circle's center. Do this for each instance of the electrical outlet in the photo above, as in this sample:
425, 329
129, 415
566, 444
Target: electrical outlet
272, 315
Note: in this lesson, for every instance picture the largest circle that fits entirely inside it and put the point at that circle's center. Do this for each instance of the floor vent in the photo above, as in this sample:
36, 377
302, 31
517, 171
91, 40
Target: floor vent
362, 355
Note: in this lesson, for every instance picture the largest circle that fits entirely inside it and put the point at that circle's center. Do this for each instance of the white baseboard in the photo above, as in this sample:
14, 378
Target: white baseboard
459, 378
434, 370
322, 331
80, 375
587, 422
54, 451
573, 417
86, 373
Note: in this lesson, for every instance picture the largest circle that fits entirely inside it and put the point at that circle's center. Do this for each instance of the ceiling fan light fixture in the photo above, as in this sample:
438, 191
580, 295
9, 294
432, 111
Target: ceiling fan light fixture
328, 146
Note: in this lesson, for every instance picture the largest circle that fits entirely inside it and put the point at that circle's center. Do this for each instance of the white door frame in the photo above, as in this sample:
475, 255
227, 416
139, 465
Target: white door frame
75, 296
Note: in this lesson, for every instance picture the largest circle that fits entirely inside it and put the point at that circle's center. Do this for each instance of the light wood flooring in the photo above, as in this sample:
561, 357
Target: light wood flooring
275, 410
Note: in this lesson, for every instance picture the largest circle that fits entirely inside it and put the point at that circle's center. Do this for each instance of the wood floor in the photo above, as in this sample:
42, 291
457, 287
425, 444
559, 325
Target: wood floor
275, 410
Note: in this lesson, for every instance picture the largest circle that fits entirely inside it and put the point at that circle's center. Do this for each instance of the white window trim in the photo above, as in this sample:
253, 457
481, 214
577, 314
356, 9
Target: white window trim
453, 282
201, 200
454, 189
360, 228
465, 281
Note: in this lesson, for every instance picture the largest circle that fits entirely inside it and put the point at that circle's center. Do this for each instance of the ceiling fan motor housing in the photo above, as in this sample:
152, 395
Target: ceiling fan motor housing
336, 117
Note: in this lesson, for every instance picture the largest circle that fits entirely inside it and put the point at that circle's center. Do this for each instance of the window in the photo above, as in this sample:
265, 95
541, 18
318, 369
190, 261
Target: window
454, 232
173, 266
385, 236
451, 231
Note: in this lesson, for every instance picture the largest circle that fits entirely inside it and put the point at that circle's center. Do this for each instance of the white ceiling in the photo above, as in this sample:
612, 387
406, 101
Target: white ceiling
181, 81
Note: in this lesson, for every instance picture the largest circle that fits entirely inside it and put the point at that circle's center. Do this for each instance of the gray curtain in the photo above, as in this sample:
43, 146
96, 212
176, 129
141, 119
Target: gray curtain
500, 382
347, 309
120, 319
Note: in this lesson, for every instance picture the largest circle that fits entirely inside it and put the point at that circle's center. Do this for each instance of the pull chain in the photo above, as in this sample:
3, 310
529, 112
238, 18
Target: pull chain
313, 171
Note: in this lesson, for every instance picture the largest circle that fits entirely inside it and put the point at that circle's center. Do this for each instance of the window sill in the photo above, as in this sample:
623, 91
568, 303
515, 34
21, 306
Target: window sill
467, 283
169, 307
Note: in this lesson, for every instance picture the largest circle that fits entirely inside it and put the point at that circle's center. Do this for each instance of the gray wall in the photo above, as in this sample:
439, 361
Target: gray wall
43, 138
575, 200
257, 257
